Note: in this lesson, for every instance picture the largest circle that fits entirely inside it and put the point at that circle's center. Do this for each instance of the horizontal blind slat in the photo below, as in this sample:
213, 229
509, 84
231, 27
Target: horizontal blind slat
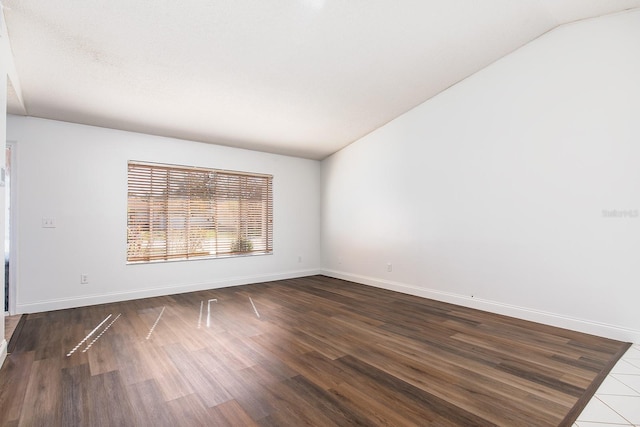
182, 212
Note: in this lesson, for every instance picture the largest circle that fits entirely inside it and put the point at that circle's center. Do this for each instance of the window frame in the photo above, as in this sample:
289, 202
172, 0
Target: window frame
234, 209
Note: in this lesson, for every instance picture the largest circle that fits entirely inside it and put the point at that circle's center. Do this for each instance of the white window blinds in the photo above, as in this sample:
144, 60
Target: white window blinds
179, 212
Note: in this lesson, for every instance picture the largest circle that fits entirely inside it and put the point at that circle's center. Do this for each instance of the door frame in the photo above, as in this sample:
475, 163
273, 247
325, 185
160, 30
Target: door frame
13, 241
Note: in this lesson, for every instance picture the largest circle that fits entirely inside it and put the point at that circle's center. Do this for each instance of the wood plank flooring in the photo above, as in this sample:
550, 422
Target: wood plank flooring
10, 324
315, 351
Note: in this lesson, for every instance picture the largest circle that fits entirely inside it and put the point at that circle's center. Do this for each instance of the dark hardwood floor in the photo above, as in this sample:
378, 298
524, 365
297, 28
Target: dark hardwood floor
312, 351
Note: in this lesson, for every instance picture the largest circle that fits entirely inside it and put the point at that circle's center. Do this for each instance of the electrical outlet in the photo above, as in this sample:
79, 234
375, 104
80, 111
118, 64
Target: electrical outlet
299, 258
84, 279
48, 222
389, 267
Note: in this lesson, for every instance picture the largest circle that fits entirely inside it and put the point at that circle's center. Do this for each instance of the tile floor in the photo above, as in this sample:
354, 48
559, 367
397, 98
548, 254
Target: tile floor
617, 401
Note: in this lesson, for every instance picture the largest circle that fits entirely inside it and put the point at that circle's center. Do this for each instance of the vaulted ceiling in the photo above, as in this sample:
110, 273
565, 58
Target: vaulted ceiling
296, 77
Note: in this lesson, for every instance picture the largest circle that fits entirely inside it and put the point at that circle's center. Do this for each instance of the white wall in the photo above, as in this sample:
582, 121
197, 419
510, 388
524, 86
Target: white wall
491, 195
78, 175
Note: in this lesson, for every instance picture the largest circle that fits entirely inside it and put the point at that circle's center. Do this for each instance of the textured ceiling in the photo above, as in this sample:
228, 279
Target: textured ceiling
297, 77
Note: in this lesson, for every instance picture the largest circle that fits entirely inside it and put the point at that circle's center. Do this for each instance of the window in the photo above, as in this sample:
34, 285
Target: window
181, 212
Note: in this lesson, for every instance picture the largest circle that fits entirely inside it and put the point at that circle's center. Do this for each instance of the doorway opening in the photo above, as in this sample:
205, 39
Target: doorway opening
8, 225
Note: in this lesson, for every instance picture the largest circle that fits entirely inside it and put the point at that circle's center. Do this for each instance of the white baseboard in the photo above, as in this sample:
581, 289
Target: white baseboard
3, 351
552, 319
85, 300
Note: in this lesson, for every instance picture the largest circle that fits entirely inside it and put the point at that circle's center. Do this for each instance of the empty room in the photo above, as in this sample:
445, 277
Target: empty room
320, 212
